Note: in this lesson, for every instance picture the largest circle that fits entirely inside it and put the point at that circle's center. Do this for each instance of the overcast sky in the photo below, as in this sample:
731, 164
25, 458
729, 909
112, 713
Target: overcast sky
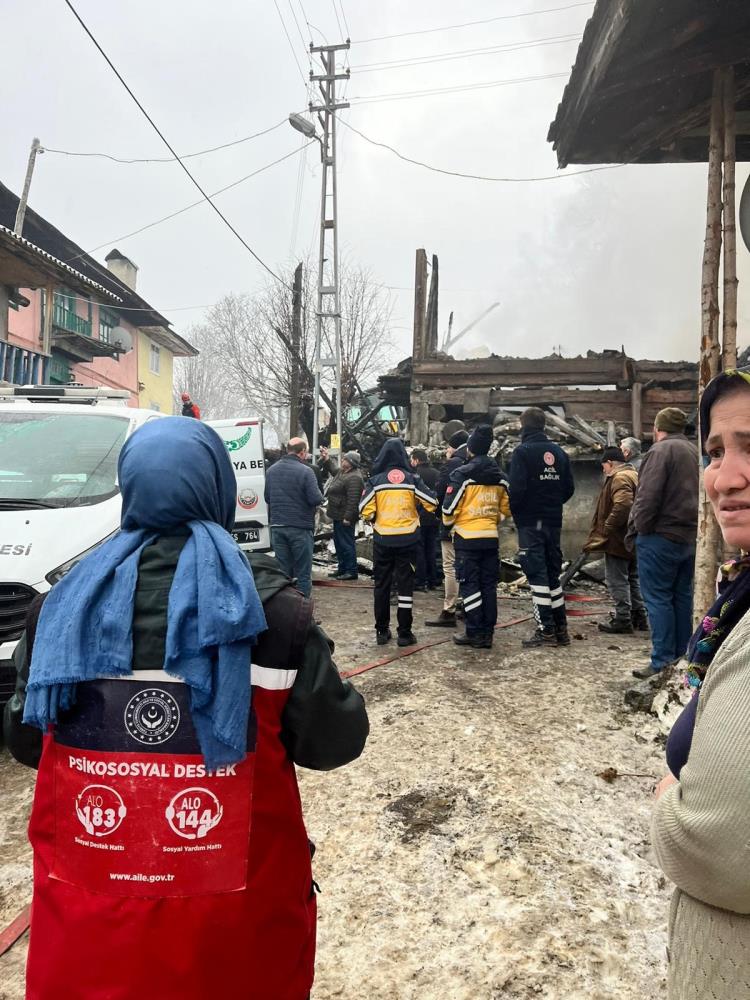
599, 261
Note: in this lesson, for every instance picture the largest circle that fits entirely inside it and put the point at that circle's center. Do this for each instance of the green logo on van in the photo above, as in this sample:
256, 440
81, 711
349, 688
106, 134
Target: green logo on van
239, 442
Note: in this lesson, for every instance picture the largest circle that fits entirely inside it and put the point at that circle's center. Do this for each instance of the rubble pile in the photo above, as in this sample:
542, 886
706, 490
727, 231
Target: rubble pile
579, 439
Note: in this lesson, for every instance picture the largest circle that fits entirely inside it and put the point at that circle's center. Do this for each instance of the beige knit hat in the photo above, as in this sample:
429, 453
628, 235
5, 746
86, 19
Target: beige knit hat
672, 420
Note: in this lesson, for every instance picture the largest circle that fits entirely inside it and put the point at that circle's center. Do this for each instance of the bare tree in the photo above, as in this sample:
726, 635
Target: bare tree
245, 363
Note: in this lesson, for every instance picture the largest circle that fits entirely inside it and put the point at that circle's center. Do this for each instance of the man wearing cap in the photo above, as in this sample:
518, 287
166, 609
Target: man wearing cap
343, 497
455, 458
189, 408
475, 502
541, 482
665, 518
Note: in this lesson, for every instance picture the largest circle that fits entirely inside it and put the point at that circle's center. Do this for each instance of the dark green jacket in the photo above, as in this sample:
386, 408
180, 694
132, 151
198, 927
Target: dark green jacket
324, 724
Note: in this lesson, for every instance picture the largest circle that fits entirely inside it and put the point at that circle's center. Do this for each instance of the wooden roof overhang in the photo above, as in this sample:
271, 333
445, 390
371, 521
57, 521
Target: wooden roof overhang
640, 88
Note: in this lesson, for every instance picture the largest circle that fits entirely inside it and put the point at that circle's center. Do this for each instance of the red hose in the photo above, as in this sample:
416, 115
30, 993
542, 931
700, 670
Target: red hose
15, 929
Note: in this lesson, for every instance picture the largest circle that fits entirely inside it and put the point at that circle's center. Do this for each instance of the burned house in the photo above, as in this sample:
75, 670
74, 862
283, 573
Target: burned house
591, 401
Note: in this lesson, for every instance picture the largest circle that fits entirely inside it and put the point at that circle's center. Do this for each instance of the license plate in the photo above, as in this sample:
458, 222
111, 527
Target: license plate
247, 535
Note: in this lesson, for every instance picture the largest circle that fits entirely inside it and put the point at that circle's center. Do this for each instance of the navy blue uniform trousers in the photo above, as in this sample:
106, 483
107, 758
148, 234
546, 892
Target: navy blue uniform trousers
541, 560
477, 572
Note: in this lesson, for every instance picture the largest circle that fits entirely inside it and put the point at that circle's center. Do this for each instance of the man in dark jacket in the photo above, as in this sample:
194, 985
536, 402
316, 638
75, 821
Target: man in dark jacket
665, 520
541, 482
292, 494
455, 457
608, 528
344, 494
429, 525
391, 502
476, 501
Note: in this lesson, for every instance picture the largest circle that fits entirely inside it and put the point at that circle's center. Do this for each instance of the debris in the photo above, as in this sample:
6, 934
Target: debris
611, 774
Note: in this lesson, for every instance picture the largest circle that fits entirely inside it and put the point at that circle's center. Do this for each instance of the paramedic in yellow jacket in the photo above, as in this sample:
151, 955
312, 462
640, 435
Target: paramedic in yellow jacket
390, 502
475, 503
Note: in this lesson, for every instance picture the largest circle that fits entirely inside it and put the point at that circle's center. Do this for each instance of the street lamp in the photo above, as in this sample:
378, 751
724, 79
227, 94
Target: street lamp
302, 125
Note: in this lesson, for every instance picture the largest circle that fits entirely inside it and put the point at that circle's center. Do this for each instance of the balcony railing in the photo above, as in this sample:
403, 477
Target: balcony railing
66, 319
21, 366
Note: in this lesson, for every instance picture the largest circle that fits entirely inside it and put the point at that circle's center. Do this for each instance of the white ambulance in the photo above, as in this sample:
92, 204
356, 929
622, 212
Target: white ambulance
243, 438
59, 497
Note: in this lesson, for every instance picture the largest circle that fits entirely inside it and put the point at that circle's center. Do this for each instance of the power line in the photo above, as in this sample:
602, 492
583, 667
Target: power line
166, 142
288, 38
299, 30
169, 159
463, 88
338, 19
466, 53
477, 177
470, 24
186, 208
346, 22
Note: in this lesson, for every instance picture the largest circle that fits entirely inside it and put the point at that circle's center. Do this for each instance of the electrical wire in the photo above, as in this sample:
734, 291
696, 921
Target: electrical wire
346, 22
166, 142
466, 53
470, 24
463, 88
477, 177
338, 19
168, 159
186, 208
288, 38
299, 30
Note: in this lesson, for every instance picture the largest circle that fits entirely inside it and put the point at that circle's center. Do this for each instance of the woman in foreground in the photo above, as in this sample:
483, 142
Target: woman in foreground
170, 854
701, 827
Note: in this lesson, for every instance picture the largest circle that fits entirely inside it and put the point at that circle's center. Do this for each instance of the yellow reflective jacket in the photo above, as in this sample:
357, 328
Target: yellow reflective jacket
475, 503
390, 502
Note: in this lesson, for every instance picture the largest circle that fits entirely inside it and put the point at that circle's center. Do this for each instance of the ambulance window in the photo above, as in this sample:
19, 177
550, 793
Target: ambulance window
59, 459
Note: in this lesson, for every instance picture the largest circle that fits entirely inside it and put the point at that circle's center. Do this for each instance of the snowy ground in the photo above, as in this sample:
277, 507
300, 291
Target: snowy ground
473, 853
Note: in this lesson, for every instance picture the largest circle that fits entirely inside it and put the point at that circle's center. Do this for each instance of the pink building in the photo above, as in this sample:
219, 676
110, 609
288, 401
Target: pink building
96, 321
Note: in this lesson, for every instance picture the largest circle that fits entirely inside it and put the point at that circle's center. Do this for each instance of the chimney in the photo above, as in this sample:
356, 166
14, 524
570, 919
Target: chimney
123, 268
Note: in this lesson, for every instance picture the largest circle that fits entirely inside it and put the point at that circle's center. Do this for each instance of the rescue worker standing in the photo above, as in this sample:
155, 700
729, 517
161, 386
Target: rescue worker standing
170, 854
475, 502
391, 501
541, 482
455, 457
189, 408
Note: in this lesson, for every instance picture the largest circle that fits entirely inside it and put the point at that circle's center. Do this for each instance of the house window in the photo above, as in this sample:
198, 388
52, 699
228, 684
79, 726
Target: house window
155, 359
107, 323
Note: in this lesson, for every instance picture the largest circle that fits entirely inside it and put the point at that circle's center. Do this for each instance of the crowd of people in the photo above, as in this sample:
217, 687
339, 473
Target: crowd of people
169, 684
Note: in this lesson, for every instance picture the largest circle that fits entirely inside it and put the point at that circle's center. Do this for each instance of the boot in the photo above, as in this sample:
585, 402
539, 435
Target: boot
542, 637
409, 639
616, 626
383, 636
561, 634
475, 641
446, 619
640, 621
485, 641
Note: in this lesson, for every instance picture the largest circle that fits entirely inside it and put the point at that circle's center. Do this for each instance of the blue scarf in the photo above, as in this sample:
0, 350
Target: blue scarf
175, 475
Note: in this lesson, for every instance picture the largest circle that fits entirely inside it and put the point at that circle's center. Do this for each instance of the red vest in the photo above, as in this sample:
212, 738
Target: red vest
155, 880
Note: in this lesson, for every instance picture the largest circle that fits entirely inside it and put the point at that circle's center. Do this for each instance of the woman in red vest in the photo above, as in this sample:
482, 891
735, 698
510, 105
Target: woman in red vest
170, 855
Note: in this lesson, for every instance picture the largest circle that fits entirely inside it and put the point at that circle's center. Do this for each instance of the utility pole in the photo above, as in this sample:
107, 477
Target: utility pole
294, 401
21, 212
329, 298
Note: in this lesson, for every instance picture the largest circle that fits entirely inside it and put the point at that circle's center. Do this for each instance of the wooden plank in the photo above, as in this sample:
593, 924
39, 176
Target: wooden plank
608, 368
636, 403
729, 310
611, 434
575, 432
420, 303
587, 428
14, 930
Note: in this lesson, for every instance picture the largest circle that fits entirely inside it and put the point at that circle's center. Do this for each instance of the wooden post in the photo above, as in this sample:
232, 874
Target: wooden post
294, 388
420, 302
729, 313
709, 537
636, 409
49, 305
